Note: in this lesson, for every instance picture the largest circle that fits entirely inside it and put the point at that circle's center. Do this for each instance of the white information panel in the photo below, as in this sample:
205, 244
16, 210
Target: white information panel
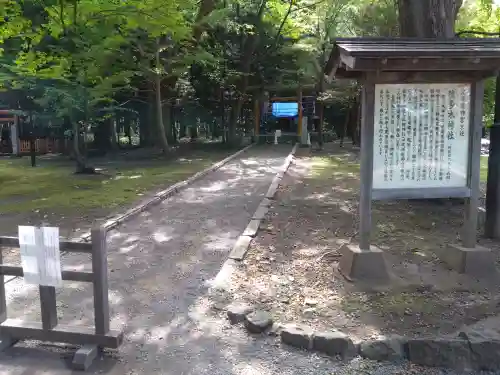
421, 135
40, 257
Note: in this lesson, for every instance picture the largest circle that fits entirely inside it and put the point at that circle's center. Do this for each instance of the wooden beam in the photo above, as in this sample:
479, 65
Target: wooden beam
422, 64
366, 172
20, 330
256, 116
76, 247
299, 123
469, 235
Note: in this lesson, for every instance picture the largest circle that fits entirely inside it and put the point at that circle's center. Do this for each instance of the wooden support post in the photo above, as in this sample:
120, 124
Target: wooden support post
365, 200
32, 150
48, 304
365, 262
100, 271
48, 307
300, 114
470, 258
469, 237
3, 298
492, 219
256, 119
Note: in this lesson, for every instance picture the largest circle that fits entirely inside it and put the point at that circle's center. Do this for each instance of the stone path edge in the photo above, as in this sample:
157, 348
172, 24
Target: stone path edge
160, 196
115, 221
465, 350
244, 240
461, 351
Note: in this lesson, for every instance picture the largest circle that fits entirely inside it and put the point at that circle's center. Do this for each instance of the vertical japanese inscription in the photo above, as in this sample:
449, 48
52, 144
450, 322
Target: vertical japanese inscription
421, 135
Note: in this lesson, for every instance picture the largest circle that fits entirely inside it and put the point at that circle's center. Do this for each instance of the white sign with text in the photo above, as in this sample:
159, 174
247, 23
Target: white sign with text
421, 135
40, 257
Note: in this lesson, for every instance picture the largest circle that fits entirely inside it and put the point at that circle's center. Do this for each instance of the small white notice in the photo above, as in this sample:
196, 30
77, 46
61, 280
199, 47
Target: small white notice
40, 257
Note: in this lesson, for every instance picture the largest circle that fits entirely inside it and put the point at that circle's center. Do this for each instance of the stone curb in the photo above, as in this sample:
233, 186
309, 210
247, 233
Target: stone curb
161, 195
243, 243
156, 199
467, 350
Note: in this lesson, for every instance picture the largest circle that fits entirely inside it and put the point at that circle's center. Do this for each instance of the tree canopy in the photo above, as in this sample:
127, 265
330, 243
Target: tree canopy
73, 61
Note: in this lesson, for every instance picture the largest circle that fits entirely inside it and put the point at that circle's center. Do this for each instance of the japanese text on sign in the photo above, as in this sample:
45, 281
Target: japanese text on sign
421, 135
40, 256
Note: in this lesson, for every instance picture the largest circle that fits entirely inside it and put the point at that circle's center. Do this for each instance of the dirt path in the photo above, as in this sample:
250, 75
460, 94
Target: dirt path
160, 266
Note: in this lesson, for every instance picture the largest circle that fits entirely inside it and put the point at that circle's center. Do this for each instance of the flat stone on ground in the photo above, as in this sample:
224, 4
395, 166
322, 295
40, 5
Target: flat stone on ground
272, 188
252, 228
298, 336
240, 248
440, 352
236, 311
258, 321
261, 212
478, 261
334, 343
484, 343
385, 349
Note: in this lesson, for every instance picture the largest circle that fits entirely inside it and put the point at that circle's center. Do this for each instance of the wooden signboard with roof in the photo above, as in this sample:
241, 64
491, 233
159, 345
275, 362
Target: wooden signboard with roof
421, 127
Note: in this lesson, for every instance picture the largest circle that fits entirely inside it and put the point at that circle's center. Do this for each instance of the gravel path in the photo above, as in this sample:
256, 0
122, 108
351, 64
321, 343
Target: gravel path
160, 266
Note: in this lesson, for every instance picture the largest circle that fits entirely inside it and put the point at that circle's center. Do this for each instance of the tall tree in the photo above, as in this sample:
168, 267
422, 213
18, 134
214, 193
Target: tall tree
428, 18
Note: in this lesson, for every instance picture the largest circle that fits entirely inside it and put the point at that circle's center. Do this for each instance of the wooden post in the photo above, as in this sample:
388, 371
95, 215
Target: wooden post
100, 271
256, 119
366, 177
48, 307
471, 204
365, 261
32, 150
3, 297
471, 258
492, 221
299, 101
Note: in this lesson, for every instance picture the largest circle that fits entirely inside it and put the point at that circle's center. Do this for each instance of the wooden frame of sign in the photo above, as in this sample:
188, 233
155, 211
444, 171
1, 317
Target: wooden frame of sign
420, 134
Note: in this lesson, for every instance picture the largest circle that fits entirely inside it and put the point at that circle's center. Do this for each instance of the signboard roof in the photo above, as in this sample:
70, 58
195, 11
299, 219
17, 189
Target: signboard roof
352, 56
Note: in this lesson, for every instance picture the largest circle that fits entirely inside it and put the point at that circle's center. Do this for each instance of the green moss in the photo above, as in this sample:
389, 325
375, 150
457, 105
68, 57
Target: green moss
328, 166
324, 166
53, 186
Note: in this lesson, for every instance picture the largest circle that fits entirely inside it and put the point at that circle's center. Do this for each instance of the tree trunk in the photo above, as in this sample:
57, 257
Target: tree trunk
162, 136
319, 113
428, 18
492, 222
167, 122
81, 163
246, 63
113, 133
206, 7
173, 125
145, 125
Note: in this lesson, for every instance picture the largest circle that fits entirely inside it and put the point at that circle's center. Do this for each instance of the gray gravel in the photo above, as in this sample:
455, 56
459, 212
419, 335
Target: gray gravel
161, 264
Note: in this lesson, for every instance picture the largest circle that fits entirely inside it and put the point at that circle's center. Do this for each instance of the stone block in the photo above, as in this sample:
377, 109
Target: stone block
477, 261
258, 321
440, 352
240, 248
484, 343
84, 357
359, 264
237, 311
260, 213
334, 343
385, 349
252, 228
271, 192
298, 336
